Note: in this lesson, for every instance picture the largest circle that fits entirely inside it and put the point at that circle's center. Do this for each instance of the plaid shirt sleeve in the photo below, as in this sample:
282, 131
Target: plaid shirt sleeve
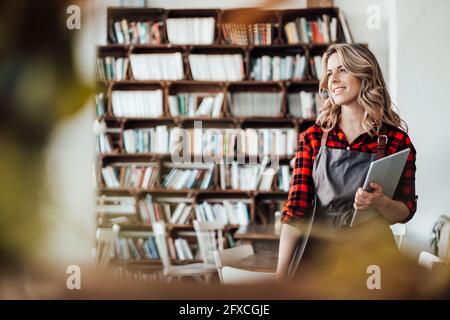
406, 191
301, 192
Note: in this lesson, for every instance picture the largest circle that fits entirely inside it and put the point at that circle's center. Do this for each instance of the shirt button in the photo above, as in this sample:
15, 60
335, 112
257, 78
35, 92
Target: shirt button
348, 148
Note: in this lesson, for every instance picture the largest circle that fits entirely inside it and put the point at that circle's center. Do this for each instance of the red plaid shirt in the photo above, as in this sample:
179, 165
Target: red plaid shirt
301, 192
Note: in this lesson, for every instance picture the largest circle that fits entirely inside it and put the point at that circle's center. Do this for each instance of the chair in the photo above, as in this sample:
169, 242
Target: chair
106, 238
231, 275
207, 240
399, 232
235, 276
427, 260
442, 243
230, 256
196, 270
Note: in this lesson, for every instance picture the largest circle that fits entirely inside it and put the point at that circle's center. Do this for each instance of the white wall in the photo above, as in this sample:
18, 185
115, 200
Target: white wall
376, 38
421, 78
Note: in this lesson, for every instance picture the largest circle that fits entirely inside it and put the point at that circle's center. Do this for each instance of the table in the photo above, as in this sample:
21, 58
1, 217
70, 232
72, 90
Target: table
262, 237
257, 232
257, 262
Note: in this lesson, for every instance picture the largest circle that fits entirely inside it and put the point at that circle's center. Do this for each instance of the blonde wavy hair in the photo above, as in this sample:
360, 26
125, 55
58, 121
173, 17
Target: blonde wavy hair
373, 95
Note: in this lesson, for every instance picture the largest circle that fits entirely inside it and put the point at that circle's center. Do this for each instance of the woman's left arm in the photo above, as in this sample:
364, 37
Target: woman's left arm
403, 205
394, 210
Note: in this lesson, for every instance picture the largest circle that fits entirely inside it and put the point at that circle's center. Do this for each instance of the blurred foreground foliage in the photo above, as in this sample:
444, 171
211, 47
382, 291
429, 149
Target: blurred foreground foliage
38, 89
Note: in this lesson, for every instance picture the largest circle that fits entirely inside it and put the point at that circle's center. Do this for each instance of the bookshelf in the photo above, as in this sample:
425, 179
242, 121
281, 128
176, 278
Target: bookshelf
171, 77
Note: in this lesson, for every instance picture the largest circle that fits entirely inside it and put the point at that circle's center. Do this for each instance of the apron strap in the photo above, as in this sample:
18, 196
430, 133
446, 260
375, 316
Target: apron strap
381, 140
323, 142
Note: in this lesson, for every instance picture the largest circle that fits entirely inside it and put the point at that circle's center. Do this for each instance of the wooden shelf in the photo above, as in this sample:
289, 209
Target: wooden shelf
168, 83
149, 262
170, 226
257, 232
255, 199
192, 192
189, 47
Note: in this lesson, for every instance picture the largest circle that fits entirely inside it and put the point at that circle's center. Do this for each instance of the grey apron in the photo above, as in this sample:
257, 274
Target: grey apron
337, 175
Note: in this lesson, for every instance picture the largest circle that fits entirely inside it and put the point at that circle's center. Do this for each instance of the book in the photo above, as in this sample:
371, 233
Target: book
112, 68
231, 212
208, 211
179, 249
172, 250
304, 104
184, 218
151, 244
157, 66
135, 32
320, 29
266, 180
186, 249
347, 35
251, 34
248, 104
211, 67
284, 178
137, 104
292, 35
243, 216
190, 30
178, 212
278, 68
220, 213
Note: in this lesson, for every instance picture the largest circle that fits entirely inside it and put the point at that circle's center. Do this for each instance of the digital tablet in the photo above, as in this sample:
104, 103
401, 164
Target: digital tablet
386, 172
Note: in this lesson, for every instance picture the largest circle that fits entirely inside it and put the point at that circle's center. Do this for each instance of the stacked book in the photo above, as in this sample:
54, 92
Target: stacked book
100, 104
210, 142
251, 34
136, 248
217, 67
217, 143
179, 249
111, 68
157, 66
159, 139
190, 30
304, 104
138, 104
320, 30
284, 178
255, 104
104, 143
136, 32
129, 176
226, 212
196, 104
270, 141
153, 211
247, 177
315, 65
279, 68
183, 178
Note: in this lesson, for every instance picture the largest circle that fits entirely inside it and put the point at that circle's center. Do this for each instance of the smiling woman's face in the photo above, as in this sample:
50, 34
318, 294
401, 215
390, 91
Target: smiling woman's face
343, 86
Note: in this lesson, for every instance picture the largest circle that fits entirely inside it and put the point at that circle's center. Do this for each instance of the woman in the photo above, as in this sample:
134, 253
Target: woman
355, 126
